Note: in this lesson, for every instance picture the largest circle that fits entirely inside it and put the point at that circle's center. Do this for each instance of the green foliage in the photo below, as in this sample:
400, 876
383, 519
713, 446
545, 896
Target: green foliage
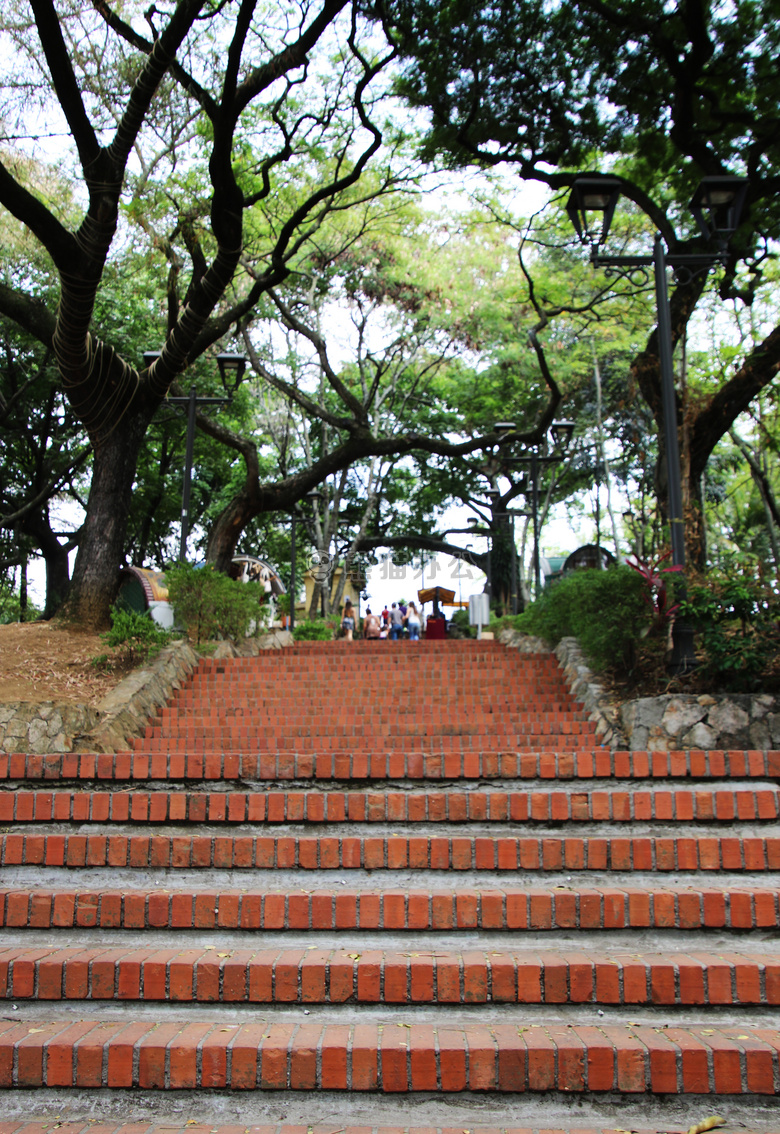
210, 604
604, 610
11, 611
313, 630
134, 637
459, 626
736, 620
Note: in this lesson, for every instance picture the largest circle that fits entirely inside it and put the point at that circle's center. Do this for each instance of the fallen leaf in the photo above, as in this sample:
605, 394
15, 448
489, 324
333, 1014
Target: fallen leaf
707, 1124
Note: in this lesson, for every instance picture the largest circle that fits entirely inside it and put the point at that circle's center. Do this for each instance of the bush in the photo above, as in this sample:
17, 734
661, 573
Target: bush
736, 621
313, 630
10, 608
605, 611
210, 604
134, 636
460, 627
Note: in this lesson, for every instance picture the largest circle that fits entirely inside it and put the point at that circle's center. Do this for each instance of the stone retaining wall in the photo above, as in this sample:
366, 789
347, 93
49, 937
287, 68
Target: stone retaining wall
730, 721
38, 727
581, 681
662, 724
43, 726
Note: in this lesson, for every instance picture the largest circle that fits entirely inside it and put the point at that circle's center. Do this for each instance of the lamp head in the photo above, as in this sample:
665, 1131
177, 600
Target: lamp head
591, 206
562, 433
231, 366
503, 427
150, 356
717, 206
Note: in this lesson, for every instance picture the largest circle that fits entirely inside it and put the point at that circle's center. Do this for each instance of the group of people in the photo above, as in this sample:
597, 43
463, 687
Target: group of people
402, 619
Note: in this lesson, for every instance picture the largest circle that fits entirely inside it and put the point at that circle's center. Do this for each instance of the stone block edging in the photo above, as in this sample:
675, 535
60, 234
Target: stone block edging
581, 681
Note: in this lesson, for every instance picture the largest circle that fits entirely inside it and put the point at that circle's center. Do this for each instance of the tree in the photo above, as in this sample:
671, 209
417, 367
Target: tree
181, 127
45, 455
666, 95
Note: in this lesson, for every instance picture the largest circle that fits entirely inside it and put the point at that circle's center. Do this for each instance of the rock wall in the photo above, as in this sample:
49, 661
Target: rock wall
581, 680
37, 727
40, 727
730, 721
674, 722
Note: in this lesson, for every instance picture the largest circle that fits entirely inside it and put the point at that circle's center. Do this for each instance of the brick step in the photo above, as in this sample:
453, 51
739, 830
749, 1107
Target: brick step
313, 730
445, 680
485, 697
469, 695
674, 853
591, 763
178, 1055
441, 805
475, 652
345, 908
174, 1126
201, 715
581, 736
478, 691
336, 976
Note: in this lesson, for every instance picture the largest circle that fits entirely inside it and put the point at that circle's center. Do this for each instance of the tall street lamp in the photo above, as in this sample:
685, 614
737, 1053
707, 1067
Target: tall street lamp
536, 459
231, 366
717, 207
312, 495
472, 521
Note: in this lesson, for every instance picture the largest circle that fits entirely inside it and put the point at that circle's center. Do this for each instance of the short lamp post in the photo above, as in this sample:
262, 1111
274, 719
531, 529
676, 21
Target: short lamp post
717, 207
231, 368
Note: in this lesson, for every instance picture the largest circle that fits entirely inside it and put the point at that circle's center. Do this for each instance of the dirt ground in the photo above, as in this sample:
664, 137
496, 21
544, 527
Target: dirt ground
43, 662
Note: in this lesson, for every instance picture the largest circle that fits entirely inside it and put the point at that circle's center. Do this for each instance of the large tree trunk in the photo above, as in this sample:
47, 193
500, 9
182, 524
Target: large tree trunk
101, 548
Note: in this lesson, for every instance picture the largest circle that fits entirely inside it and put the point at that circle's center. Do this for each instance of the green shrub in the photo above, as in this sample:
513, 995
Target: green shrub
134, 636
460, 627
736, 621
10, 608
210, 604
313, 630
605, 611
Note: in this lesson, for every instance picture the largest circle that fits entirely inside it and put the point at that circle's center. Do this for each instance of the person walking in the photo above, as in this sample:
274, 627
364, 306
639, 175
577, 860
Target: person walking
396, 623
371, 628
348, 621
413, 622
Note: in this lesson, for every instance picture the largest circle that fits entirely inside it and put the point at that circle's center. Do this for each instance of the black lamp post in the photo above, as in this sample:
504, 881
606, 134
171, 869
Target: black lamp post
230, 366
561, 433
717, 206
311, 495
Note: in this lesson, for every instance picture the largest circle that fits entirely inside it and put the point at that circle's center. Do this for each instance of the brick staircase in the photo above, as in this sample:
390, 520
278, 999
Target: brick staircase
340, 881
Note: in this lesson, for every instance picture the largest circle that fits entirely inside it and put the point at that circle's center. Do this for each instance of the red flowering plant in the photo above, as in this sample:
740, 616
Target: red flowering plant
656, 591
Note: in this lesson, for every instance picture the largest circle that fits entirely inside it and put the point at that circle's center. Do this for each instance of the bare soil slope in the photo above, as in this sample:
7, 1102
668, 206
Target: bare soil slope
41, 661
